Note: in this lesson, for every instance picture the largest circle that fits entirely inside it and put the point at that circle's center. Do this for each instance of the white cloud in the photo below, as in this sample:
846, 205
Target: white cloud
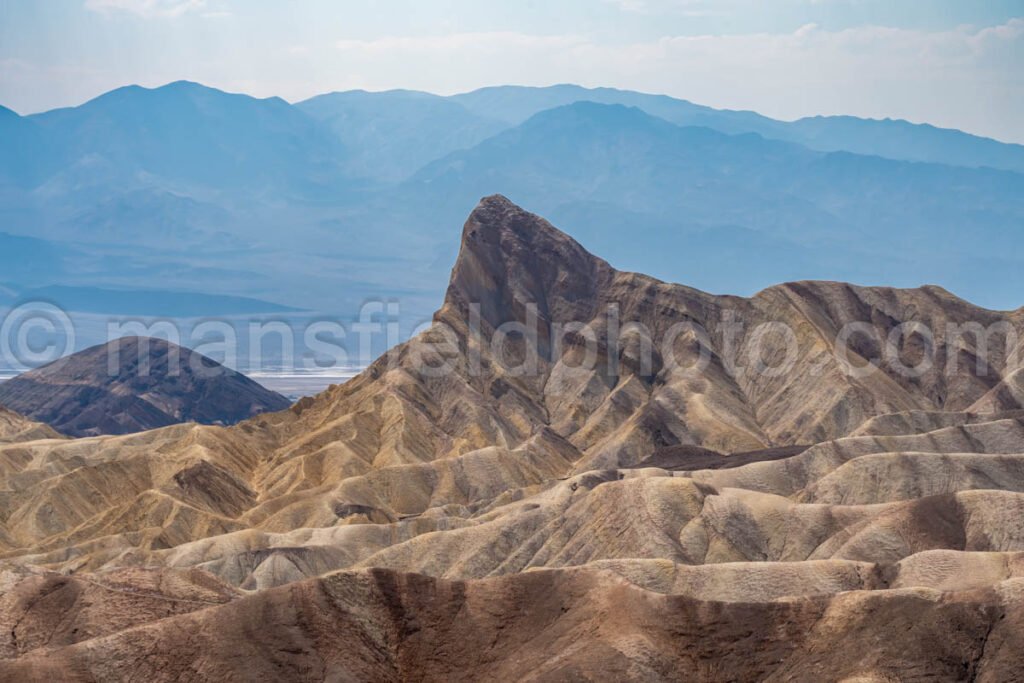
491, 41
707, 7
686, 8
148, 8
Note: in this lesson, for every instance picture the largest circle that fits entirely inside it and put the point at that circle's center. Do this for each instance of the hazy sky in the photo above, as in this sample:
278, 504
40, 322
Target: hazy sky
956, 63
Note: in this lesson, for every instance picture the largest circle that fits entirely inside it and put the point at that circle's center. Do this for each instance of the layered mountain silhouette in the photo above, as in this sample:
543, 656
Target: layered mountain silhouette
485, 501
199, 185
133, 384
392, 134
892, 139
187, 136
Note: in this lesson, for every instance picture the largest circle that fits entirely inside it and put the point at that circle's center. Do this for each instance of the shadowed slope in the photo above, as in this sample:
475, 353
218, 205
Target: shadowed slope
383, 626
133, 384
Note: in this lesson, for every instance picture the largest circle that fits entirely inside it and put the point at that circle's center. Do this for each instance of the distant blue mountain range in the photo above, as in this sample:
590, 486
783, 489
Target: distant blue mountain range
893, 139
348, 196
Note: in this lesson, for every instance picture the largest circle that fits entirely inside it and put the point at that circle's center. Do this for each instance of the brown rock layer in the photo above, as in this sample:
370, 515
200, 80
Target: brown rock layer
527, 515
553, 626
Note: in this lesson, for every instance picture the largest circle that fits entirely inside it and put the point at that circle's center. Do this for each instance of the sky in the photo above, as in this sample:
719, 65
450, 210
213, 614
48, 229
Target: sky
952, 63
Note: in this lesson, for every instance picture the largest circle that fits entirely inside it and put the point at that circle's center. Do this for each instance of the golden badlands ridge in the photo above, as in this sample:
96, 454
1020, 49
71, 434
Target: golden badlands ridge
565, 523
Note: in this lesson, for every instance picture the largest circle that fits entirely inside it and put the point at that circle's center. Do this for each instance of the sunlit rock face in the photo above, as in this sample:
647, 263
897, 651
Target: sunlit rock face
575, 472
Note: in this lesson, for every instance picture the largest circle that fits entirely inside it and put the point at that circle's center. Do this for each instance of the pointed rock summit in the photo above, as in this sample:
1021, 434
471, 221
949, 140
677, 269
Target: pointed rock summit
514, 267
510, 258
134, 384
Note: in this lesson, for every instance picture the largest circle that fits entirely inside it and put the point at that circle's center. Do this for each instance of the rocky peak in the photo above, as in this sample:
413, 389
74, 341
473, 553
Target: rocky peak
133, 384
511, 258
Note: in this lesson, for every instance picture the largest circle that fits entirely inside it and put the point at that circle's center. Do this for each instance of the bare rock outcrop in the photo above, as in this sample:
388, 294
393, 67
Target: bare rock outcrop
134, 384
539, 487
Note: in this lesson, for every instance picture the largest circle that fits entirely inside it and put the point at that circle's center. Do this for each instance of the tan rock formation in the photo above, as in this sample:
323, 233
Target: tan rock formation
14, 429
563, 496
